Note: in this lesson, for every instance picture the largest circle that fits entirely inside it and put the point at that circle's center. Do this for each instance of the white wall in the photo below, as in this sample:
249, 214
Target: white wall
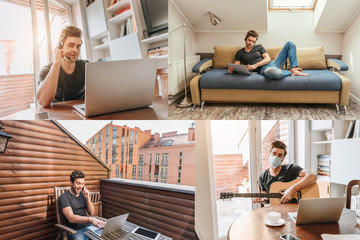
176, 44
351, 56
283, 26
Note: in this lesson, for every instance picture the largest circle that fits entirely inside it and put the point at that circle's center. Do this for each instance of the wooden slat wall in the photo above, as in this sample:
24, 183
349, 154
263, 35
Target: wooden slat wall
229, 173
39, 157
16, 93
168, 212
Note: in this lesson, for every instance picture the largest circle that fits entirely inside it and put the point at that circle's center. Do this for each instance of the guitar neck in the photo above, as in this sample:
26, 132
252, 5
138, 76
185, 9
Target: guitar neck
258, 195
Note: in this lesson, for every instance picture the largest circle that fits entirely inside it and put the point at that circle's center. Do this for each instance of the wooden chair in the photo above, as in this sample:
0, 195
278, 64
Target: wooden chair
348, 191
60, 218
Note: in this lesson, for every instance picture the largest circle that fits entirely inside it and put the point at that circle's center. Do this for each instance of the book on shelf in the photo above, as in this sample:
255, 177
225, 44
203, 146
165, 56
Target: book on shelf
324, 161
350, 131
159, 51
133, 24
113, 2
123, 10
127, 27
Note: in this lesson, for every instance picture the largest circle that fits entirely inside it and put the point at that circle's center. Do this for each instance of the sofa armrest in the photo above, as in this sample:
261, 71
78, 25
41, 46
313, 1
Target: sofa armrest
202, 65
337, 64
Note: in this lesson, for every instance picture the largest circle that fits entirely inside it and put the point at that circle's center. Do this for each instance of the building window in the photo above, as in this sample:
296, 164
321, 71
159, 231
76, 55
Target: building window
141, 159
164, 160
107, 130
117, 171
157, 159
163, 172
163, 180
93, 144
156, 179
149, 178
114, 132
133, 177
100, 136
140, 171
150, 159
106, 155
133, 169
179, 178
136, 133
179, 168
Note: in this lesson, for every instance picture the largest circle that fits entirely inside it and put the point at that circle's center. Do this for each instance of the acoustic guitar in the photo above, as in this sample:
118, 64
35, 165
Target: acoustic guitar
276, 190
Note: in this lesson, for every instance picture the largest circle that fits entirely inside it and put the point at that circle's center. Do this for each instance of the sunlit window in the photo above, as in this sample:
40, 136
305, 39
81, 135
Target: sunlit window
292, 4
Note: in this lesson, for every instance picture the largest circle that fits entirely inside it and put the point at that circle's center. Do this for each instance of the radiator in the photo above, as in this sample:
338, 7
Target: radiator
176, 73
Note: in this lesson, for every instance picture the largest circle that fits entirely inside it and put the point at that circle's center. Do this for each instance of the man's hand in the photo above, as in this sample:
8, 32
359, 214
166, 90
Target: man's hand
231, 70
288, 196
252, 67
97, 222
259, 200
58, 55
86, 194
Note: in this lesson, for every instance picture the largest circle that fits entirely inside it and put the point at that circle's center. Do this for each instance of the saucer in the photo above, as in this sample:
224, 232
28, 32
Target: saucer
281, 222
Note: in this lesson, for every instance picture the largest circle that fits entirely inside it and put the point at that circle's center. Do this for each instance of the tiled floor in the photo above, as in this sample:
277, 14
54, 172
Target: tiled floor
229, 211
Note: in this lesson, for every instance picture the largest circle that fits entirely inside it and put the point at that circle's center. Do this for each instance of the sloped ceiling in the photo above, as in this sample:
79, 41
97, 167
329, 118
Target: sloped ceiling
235, 15
242, 15
337, 15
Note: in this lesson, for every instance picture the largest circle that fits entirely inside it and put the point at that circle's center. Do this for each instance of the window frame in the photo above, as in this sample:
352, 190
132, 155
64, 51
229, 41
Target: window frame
287, 8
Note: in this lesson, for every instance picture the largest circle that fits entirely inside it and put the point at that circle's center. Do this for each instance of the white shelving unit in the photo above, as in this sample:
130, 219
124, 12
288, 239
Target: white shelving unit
104, 25
322, 146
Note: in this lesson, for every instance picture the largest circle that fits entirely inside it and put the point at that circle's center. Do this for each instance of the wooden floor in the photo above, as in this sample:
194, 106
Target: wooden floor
249, 111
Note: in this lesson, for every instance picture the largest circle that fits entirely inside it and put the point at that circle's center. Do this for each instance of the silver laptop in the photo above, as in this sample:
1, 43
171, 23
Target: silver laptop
112, 225
240, 68
318, 210
118, 85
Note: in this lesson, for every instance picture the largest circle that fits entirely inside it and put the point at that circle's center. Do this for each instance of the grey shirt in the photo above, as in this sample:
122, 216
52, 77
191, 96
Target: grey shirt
288, 173
70, 86
77, 204
251, 57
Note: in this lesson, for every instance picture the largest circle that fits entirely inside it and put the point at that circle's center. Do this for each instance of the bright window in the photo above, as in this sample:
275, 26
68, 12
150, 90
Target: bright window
292, 4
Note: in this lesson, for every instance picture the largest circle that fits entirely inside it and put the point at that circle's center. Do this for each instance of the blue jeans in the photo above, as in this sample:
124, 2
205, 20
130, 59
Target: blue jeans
79, 235
274, 69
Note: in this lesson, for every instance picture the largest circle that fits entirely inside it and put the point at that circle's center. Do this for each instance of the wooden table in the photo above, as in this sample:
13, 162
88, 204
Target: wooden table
124, 233
252, 225
65, 111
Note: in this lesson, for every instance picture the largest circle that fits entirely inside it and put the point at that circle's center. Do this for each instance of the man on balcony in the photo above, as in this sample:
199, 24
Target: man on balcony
75, 203
283, 173
64, 79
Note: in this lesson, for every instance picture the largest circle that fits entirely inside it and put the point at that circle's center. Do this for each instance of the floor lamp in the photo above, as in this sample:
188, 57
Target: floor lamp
214, 21
185, 102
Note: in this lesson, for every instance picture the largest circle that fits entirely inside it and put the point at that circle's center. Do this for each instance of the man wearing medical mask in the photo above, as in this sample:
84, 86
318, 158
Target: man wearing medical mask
283, 173
64, 78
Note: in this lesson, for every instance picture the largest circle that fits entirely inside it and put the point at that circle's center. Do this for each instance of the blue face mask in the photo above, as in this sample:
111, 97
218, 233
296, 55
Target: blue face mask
275, 161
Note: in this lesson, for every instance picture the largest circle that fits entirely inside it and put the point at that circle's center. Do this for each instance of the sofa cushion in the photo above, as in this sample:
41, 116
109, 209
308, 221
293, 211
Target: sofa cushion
224, 55
273, 52
311, 58
318, 80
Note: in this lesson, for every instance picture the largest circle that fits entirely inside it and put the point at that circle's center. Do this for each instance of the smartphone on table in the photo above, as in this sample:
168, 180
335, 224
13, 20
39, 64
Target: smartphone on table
288, 237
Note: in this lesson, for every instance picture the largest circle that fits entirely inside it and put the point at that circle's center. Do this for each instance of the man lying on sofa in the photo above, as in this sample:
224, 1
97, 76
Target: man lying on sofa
258, 60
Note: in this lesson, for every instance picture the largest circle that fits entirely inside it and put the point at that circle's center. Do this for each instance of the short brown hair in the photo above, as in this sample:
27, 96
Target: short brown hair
69, 31
252, 33
76, 174
280, 145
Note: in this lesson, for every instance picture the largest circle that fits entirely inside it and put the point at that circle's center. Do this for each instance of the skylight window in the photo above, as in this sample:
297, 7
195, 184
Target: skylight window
292, 4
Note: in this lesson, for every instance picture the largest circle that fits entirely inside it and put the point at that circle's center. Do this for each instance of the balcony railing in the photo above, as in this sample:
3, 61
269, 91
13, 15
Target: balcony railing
16, 93
165, 208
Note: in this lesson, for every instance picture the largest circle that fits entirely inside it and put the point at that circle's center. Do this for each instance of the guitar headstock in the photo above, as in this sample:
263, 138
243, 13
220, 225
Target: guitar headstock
226, 195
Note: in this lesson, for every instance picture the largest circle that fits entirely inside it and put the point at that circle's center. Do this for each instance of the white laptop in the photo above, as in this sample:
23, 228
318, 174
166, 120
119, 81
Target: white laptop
112, 225
118, 85
318, 210
240, 68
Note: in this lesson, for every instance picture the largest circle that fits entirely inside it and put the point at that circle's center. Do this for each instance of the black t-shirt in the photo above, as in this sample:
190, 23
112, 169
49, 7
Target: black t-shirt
288, 173
251, 57
70, 86
77, 204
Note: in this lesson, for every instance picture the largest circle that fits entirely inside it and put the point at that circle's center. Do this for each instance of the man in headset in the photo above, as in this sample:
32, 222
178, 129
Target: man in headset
64, 79
258, 60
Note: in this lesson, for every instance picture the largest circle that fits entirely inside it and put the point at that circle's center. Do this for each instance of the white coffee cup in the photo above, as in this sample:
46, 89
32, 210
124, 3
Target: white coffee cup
273, 217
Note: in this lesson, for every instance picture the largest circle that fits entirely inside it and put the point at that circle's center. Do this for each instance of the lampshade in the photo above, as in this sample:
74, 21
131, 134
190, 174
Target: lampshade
214, 19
